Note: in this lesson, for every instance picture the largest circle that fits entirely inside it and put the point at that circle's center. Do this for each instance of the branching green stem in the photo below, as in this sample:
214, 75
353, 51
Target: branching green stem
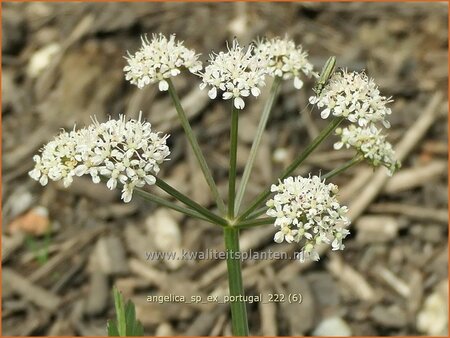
165, 203
195, 146
309, 149
239, 319
259, 132
190, 203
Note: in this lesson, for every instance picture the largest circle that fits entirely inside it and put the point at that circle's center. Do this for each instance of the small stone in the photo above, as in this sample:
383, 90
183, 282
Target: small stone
432, 319
389, 316
111, 255
326, 292
35, 222
41, 59
332, 326
166, 235
302, 316
376, 229
280, 155
164, 330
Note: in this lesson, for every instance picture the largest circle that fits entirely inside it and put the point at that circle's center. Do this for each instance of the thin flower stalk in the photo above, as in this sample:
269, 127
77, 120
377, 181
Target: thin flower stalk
195, 146
194, 205
355, 160
233, 159
249, 223
256, 142
299, 160
165, 203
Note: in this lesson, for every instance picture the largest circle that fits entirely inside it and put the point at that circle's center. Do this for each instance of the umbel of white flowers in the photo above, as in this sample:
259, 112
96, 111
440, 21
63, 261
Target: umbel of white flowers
307, 211
355, 97
237, 73
158, 60
123, 151
285, 59
370, 143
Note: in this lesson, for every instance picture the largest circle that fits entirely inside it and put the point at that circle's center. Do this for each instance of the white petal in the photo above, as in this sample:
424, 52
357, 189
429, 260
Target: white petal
80, 170
255, 91
43, 180
111, 184
163, 85
298, 84
325, 113
127, 194
227, 95
338, 145
239, 103
149, 179
212, 93
35, 174
279, 237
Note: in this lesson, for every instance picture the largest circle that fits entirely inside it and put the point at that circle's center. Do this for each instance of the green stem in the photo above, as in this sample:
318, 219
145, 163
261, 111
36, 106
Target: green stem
355, 160
309, 149
327, 176
233, 158
255, 222
190, 203
259, 132
195, 146
163, 202
239, 319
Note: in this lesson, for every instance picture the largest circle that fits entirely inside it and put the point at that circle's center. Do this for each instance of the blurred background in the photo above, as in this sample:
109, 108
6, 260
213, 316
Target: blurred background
64, 249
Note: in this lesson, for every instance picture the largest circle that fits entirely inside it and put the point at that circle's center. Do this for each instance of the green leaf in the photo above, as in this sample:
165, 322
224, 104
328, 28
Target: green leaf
126, 323
134, 327
112, 328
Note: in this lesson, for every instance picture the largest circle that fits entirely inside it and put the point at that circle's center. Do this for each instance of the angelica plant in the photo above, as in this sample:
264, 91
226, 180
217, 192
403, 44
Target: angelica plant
127, 153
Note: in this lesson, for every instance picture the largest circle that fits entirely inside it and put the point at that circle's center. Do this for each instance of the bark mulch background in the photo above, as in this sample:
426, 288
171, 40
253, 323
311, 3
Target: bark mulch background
64, 249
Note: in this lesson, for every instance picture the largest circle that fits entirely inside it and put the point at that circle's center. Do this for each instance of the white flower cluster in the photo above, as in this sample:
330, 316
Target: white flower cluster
158, 60
306, 210
285, 59
122, 151
237, 73
354, 96
370, 143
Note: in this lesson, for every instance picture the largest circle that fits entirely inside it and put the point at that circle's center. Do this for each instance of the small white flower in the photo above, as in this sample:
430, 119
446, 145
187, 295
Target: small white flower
158, 60
306, 211
237, 73
285, 59
354, 96
125, 152
370, 143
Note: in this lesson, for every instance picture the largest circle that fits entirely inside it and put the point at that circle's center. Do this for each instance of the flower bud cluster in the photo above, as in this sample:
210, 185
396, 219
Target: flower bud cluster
285, 59
125, 152
238, 73
158, 60
307, 211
